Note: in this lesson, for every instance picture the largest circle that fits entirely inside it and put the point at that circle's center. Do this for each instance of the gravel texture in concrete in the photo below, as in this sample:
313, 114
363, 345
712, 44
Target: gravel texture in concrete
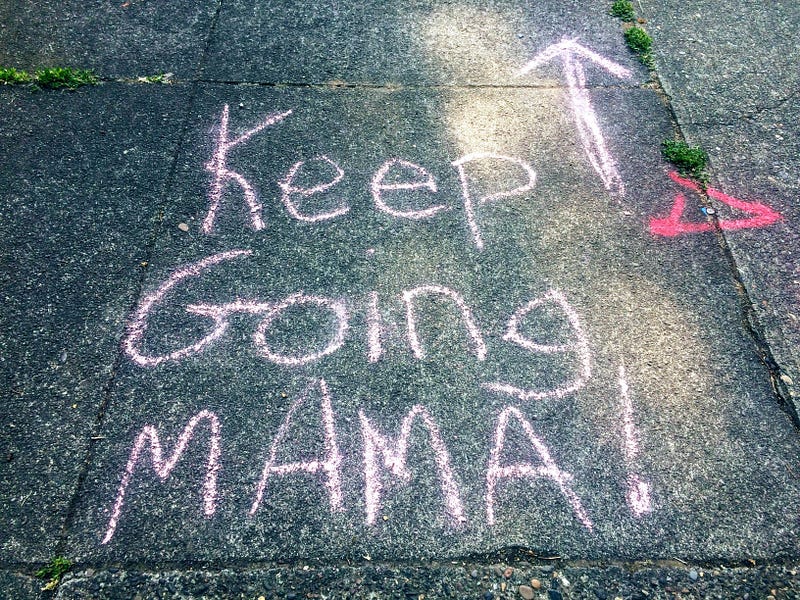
397, 300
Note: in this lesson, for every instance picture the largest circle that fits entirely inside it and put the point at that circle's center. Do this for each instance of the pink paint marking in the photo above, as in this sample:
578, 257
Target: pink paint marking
638, 493
218, 166
469, 204
425, 182
672, 225
580, 346
548, 469
374, 329
163, 469
337, 307
138, 323
594, 144
394, 456
466, 314
333, 458
286, 184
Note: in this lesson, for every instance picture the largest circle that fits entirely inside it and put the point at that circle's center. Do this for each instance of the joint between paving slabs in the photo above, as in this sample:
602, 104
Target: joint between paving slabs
99, 419
108, 388
243, 566
750, 319
392, 87
207, 48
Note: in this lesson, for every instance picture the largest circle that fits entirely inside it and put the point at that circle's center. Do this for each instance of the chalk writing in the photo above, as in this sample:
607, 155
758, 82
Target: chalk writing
330, 465
374, 329
469, 203
466, 313
218, 166
420, 180
394, 459
384, 455
287, 185
591, 135
427, 182
164, 468
138, 324
548, 469
580, 346
270, 311
336, 306
638, 494
673, 225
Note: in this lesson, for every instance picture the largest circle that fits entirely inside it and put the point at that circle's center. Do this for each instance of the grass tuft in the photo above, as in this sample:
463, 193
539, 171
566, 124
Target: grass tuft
11, 76
690, 160
640, 42
623, 9
64, 77
54, 571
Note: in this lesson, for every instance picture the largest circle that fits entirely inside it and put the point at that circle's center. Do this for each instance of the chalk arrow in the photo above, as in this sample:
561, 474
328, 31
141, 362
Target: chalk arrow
585, 118
761, 215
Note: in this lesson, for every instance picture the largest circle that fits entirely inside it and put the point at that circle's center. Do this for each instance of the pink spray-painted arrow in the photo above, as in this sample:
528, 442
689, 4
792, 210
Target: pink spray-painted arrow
594, 143
761, 215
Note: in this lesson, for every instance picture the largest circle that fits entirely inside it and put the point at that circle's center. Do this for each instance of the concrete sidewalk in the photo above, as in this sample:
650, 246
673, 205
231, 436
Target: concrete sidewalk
399, 300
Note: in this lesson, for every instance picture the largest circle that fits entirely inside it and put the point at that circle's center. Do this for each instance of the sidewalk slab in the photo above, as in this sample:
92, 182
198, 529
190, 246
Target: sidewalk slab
118, 39
81, 183
358, 307
734, 90
654, 461
767, 259
727, 69
402, 43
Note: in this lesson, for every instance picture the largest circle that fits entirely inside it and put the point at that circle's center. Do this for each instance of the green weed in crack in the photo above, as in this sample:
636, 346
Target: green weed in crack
11, 76
640, 42
64, 77
623, 9
690, 160
54, 571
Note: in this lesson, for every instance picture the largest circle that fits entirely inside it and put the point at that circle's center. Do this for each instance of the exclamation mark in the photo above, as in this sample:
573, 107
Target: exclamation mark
638, 493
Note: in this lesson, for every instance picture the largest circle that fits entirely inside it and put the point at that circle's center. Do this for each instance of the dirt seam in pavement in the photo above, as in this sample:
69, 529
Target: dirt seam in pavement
748, 316
149, 250
433, 564
755, 330
364, 85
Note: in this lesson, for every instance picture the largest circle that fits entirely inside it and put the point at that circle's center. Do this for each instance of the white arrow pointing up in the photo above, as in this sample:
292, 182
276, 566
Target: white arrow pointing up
585, 118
